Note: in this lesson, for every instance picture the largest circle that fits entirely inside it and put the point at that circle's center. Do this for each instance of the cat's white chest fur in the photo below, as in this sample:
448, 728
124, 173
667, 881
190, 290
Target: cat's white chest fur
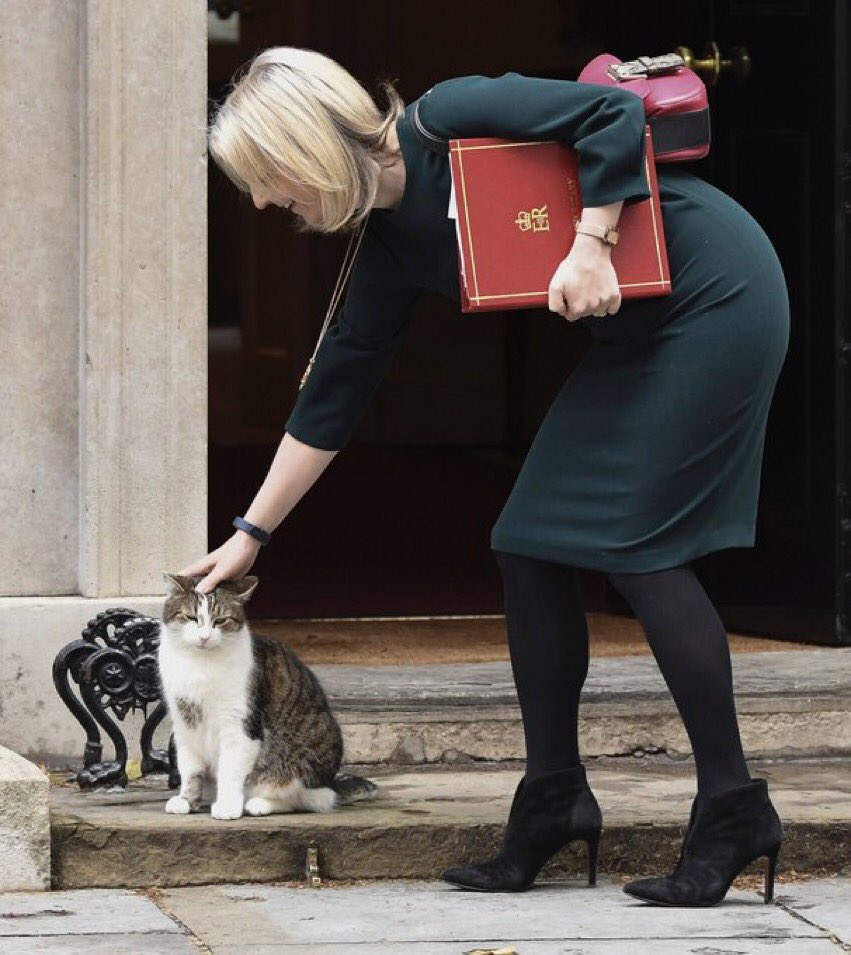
215, 680
207, 694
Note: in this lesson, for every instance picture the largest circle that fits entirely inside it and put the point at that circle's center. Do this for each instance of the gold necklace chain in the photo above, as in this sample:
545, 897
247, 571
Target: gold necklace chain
338, 290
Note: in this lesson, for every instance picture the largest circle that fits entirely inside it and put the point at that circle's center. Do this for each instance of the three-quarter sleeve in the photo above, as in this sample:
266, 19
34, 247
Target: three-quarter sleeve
604, 124
357, 349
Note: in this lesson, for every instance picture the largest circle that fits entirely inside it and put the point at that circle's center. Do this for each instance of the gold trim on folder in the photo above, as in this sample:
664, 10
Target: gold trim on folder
476, 297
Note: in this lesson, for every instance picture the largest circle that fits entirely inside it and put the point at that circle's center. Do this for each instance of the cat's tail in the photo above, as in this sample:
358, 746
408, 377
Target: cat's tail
350, 788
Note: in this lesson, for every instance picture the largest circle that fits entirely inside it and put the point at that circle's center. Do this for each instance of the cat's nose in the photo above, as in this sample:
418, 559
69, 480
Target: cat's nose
204, 640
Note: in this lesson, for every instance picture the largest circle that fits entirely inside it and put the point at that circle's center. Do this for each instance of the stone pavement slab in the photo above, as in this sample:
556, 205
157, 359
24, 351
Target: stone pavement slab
405, 917
143, 943
91, 920
423, 821
821, 902
400, 917
677, 946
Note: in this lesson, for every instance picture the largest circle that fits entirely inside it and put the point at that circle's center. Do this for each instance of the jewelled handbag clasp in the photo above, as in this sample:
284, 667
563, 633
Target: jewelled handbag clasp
645, 66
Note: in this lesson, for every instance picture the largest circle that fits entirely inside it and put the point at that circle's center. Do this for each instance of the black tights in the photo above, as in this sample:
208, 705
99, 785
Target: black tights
548, 642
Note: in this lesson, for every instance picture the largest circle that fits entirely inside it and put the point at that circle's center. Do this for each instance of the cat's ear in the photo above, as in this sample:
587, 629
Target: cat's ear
243, 588
180, 585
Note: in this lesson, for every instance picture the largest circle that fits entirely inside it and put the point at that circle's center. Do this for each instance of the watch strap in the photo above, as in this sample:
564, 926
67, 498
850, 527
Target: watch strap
256, 532
602, 232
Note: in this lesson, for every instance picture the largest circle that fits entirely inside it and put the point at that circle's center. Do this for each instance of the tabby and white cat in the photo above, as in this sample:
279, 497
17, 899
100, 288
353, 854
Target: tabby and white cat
247, 713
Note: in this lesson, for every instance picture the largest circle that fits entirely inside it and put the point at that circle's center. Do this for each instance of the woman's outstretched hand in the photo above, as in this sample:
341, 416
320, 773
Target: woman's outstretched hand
295, 468
229, 562
585, 282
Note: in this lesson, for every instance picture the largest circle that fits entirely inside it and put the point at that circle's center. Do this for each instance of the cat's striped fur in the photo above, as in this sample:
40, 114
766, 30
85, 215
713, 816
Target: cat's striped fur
247, 713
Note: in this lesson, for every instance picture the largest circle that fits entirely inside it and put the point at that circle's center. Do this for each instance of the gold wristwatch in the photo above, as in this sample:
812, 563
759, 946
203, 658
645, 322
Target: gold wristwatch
608, 233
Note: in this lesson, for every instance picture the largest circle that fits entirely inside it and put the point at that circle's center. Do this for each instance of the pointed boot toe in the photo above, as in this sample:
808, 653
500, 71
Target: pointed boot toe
734, 828
491, 876
641, 888
661, 890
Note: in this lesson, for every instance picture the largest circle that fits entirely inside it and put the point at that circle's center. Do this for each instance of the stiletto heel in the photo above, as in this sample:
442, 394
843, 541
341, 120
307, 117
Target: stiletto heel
770, 869
547, 814
593, 841
734, 828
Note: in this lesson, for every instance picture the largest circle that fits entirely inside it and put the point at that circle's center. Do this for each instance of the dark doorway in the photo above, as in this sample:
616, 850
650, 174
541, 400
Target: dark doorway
399, 524
778, 148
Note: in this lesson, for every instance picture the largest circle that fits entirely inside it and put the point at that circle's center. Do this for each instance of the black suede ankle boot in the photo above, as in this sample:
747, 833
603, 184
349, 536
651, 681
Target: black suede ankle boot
735, 827
547, 814
689, 826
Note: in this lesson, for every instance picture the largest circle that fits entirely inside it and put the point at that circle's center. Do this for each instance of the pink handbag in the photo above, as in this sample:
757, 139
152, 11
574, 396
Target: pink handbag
675, 100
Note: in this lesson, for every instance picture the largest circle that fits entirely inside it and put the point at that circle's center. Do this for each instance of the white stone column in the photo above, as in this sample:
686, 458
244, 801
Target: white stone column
39, 291
143, 421
103, 312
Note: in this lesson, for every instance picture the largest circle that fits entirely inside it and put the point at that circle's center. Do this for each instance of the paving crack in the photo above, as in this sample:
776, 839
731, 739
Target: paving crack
157, 896
843, 946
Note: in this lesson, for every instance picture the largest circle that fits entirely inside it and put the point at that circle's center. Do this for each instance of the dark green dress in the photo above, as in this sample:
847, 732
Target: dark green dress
650, 454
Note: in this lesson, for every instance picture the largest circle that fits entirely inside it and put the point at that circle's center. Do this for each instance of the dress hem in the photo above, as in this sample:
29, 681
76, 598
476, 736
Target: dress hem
732, 536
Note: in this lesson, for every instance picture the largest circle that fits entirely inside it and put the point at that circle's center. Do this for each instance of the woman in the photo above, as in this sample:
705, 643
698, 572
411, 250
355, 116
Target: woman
648, 458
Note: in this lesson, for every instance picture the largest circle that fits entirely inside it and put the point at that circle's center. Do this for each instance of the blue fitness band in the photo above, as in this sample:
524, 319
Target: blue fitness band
256, 532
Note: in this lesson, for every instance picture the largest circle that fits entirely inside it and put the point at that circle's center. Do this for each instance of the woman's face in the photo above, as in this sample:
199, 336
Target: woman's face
298, 199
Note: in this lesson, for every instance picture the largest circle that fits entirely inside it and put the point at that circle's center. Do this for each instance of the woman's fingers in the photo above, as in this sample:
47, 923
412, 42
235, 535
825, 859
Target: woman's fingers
211, 581
224, 570
234, 559
584, 284
604, 307
199, 567
557, 300
573, 314
589, 308
560, 302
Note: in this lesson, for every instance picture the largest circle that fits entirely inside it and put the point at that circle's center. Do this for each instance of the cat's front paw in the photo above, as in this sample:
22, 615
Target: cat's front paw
258, 806
226, 808
178, 805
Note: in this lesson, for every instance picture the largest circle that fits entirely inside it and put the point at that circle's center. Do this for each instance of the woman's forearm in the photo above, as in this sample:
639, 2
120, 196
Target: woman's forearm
603, 215
295, 468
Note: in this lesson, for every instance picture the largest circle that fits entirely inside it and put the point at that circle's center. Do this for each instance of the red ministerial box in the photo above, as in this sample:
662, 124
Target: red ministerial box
518, 204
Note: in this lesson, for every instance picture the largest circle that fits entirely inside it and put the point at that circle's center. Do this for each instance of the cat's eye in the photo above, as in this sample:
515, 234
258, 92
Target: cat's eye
225, 620
185, 616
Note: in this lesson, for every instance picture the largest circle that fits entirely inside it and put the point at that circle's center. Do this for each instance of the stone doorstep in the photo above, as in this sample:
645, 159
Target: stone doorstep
791, 703
425, 820
793, 725
765, 674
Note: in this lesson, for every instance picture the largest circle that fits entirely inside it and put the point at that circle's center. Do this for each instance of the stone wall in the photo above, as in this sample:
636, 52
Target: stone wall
103, 470
39, 296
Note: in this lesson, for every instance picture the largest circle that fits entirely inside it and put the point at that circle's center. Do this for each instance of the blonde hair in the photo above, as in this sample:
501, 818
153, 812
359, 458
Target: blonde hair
298, 113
